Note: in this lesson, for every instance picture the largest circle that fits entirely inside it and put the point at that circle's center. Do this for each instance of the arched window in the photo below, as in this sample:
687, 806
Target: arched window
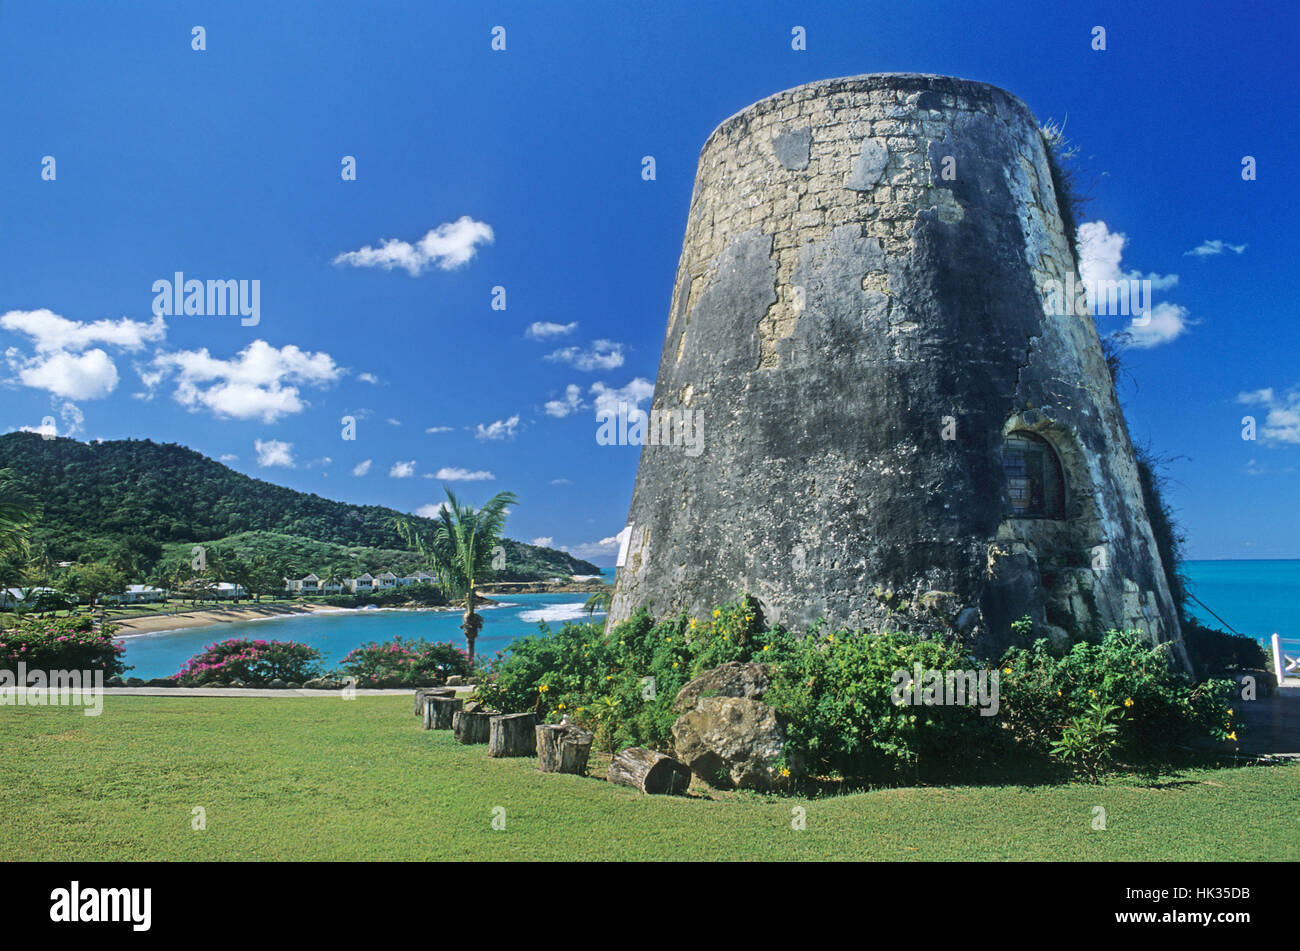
1033, 475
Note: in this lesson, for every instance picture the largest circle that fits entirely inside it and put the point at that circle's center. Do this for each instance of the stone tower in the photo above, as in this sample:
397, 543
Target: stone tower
901, 430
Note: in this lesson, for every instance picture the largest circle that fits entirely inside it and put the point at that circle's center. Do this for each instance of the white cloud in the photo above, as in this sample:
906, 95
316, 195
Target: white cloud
438, 429
501, 429
607, 398
361, 468
74, 376
262, 382
1100, 256
453, 474
70, 360
606, 546
402, 470
393, 422
543, 329
273, 452
447, 246
546, 541
431, 510
229, 457
602, 355
73, 419
1166, 322
1210, 248
1282, 422
1100, 251
560, 482
571, 403
367, 378
50, 332
49, 429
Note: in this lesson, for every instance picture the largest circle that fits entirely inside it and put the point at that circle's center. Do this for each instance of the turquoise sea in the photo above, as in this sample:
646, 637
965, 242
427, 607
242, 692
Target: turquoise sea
1255, 597
163, 653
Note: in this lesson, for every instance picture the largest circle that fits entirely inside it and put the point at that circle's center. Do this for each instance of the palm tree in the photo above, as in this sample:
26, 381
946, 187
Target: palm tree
459, 553
17, 512
599, 601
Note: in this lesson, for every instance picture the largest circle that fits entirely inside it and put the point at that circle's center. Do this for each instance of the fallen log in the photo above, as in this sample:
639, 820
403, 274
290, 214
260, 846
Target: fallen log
563, 748
471, 726
438, 712
511, 734
650, 772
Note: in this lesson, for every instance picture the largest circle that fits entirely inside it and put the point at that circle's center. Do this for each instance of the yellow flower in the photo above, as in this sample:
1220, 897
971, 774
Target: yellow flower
768, 647
674, 663
785, 770
1128, 701
579, 710
1229, 711
1092, 693
543, 688
1058, 693
668, 639
1233, 736
609, 676
717, 612
692, 624
1006, 670
560, 707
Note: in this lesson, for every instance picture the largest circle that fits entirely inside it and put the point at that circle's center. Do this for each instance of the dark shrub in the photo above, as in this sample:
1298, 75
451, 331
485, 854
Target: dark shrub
1217, 653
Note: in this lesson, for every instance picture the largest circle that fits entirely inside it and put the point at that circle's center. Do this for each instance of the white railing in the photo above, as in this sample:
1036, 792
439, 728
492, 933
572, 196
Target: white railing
1286, 660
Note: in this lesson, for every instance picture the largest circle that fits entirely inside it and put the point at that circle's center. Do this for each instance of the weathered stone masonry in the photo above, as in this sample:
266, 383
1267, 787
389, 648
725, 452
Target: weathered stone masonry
838, 296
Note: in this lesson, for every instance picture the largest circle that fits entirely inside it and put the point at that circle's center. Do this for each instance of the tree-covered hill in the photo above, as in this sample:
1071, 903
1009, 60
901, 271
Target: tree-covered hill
93, 496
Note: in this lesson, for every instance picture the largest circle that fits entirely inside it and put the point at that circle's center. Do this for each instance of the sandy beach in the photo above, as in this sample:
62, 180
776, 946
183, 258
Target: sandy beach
183, 619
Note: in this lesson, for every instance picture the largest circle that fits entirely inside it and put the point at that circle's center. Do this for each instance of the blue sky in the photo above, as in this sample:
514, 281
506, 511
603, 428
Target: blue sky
225, 164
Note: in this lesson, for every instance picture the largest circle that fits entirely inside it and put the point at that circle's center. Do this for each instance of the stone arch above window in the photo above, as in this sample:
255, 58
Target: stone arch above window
1033, 476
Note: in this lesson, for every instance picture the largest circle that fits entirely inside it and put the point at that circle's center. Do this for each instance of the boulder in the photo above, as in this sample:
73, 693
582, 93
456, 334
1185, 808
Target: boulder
455, 680
294, 685
732, 742
321, 683
134, 682
277, 684
734, 679
115, 681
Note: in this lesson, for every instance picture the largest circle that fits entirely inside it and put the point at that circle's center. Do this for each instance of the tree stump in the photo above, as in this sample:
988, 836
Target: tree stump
471, 726
422, 692
511, 734
563, 748
438, 712
650, 772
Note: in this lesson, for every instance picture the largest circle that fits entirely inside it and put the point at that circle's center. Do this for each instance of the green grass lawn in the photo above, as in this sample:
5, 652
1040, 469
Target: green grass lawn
327, 778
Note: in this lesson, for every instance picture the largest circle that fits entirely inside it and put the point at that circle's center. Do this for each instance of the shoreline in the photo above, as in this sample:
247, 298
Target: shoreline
209, 617
212, 617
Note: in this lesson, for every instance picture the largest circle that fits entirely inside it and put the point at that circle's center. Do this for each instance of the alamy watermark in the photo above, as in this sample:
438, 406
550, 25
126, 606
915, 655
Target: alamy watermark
54, 688
1123, 298
626, 425
946, 688
195, 298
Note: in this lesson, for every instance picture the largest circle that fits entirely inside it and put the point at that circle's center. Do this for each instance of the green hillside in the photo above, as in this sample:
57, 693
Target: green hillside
162, 498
